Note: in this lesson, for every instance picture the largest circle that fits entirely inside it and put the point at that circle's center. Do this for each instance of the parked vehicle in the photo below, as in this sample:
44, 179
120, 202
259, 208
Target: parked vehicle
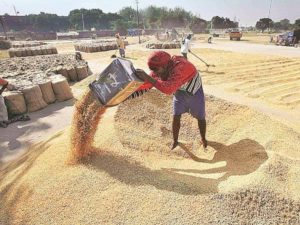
290, 38
235, 34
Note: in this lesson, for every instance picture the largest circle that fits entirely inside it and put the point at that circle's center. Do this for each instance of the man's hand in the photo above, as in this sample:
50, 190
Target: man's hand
141, 74
144, 76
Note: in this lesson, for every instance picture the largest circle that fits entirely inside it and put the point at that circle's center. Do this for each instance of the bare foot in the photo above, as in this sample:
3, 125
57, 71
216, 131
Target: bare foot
204, 143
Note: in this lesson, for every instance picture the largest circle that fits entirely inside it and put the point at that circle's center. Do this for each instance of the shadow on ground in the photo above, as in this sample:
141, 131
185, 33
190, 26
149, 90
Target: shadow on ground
10, 135
242, 158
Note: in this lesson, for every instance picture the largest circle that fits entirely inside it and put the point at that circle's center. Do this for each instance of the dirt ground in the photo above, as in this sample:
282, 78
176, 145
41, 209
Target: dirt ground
250, 174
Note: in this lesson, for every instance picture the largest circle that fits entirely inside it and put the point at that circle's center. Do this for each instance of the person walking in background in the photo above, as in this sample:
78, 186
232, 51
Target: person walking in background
121, 45
175, 75
185, 46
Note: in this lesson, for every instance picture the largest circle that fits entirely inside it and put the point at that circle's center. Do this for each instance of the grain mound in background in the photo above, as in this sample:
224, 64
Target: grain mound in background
87, 115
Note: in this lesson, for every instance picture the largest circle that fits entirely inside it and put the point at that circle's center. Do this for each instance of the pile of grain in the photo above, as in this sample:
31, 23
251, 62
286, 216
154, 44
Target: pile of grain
253, 178
38, 63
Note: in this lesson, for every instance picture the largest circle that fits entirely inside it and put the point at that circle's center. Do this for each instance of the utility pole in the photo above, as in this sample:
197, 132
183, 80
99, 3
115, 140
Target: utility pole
82, 21
138, 20
269, 14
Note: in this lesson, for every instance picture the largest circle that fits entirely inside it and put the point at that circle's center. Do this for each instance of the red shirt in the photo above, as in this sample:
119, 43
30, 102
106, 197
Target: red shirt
180, 72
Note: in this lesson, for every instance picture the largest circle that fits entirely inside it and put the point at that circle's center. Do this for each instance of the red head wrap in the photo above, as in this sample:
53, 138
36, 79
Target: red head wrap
158, 59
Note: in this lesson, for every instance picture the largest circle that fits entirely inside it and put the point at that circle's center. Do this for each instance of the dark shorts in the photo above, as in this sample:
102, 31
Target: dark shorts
122, 52
187, 103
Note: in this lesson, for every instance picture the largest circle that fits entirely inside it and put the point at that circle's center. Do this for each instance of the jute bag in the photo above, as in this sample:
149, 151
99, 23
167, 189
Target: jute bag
61, 88
3, 110
15, 102
34, 98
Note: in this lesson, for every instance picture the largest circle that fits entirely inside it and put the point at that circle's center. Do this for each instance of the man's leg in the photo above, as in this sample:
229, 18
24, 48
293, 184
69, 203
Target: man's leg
202, 130
175, 129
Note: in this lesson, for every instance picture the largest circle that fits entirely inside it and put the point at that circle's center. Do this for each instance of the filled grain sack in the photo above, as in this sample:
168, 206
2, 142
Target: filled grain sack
39, 51
82, 72
49, 50
44, 51
28, 52
72, 73
63, 71
61, 88
47, 91
54, 50
15, 102
34, 98
18, 52
11, 53
3, 110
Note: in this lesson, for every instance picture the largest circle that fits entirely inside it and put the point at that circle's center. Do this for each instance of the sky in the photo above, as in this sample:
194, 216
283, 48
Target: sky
246, 12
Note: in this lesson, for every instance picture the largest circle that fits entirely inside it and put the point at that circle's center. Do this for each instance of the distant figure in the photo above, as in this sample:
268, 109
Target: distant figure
209, 40
78, 55
157, 36
185, 46
121, 45
167, 35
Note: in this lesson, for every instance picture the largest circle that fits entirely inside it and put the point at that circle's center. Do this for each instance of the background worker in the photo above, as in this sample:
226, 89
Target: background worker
121, 45
185, 46
175, 75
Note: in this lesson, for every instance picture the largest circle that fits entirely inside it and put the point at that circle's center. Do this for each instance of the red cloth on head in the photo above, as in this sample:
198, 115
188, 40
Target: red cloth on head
181, 71
158, 59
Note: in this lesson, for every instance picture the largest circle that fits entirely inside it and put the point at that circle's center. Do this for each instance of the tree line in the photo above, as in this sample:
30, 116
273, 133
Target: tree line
152, 17
268, 24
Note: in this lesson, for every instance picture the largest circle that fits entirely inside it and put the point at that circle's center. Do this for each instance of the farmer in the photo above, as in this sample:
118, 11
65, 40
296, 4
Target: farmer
175, 75
121, 45
185, 46
3, 110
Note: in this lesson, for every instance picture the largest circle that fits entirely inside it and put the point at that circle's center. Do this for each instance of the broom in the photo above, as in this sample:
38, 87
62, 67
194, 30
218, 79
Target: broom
207, 65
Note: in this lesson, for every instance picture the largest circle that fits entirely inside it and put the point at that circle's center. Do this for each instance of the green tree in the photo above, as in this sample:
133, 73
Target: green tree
197, 25
263, 24
297, 24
